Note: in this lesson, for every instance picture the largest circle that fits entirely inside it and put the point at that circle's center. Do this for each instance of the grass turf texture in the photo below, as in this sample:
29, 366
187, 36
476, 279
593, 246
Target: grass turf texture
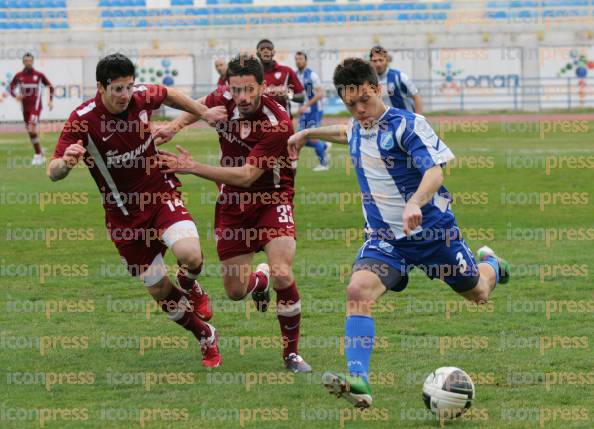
102, 334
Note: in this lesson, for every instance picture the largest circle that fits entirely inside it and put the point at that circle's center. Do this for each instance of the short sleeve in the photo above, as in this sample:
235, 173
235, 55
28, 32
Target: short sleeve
315, 80
349, 130
411, 88
218, 97
45, 80
272, 147
424, 147
294, 82
74, 129
152, 95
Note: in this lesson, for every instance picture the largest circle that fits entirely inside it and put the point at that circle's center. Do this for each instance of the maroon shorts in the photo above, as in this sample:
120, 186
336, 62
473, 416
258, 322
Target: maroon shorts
137, 236
242, 229
31, 117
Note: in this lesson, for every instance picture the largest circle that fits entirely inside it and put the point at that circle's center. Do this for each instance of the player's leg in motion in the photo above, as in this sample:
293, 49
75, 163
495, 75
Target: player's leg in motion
182, 239
33, 131
281, 252
174, 302
239, 280
492, 270
363, 291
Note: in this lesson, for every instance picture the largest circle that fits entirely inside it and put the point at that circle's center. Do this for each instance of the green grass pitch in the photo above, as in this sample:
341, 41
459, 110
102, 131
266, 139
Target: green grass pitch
80, 349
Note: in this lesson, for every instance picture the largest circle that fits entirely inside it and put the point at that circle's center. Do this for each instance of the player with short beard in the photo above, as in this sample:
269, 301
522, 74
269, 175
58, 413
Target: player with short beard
254, 162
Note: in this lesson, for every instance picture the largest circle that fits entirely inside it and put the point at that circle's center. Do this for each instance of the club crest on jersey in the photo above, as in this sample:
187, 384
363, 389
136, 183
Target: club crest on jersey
277, 75
386, 141
244, 129
143, 115
35, 78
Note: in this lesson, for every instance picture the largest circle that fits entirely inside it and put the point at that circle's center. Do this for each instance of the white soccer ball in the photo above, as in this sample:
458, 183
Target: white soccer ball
448, 392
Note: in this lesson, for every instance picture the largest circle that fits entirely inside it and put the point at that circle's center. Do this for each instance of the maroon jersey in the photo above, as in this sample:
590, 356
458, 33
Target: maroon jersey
221, 82
279, 78
260, 140
30, 84
121, 153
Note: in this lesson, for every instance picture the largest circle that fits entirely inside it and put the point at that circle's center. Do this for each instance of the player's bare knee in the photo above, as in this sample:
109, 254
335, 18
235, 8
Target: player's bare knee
282, 279
358, 291
190, 257
235, 294
479, 297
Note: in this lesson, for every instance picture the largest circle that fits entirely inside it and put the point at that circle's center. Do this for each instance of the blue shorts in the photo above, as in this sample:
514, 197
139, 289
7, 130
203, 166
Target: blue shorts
310, 120
440, 252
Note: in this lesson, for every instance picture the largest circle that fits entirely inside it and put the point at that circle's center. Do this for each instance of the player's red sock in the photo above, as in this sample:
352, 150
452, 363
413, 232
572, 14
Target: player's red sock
288, 312
257, 282
187, 277
177, 308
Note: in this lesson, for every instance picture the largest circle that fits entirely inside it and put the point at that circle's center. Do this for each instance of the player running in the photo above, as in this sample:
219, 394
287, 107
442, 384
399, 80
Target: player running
398, 160
397, 88
311, 112
27, 87
254, 211
280, 79
143, 210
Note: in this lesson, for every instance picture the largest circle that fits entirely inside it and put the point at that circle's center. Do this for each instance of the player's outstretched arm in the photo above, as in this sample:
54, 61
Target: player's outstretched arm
332, 133
178, 100
193, 111
60, 167
183, 163
412, 216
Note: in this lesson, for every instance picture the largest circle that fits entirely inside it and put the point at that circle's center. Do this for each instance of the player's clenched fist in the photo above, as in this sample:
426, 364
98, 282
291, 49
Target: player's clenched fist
163, 134
172, 163
74, 153
295, 143
412, 217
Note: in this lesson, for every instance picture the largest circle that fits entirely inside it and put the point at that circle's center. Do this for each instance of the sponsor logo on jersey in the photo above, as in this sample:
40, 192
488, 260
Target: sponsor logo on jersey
115, 160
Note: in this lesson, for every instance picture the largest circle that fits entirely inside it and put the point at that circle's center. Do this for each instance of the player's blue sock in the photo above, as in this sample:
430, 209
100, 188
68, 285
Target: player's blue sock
359, 339
320, 148
492, 260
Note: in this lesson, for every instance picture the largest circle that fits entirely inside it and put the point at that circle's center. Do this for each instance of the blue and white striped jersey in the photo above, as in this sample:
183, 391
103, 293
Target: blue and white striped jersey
390, 160
310, 81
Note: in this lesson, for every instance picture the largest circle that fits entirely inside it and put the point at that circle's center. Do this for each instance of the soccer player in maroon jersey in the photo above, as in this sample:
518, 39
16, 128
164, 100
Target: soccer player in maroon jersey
254, 211
280, 79
221, 68
27, 87
143, 209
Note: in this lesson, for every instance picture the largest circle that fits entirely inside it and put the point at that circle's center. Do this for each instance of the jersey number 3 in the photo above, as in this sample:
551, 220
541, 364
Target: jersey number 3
284, 213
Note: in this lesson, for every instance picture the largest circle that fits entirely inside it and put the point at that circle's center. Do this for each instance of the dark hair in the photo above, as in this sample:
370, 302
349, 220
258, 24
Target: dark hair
246, 65
28, 55
303, 54
113, 67
264, 41
354, 72
381, 51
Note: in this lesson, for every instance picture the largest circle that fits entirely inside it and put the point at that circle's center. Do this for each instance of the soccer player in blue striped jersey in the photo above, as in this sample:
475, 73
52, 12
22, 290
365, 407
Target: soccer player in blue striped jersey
398, 160
311, 111
397, 88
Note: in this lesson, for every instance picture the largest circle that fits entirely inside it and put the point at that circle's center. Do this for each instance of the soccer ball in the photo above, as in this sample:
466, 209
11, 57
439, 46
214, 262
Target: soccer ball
448, 392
